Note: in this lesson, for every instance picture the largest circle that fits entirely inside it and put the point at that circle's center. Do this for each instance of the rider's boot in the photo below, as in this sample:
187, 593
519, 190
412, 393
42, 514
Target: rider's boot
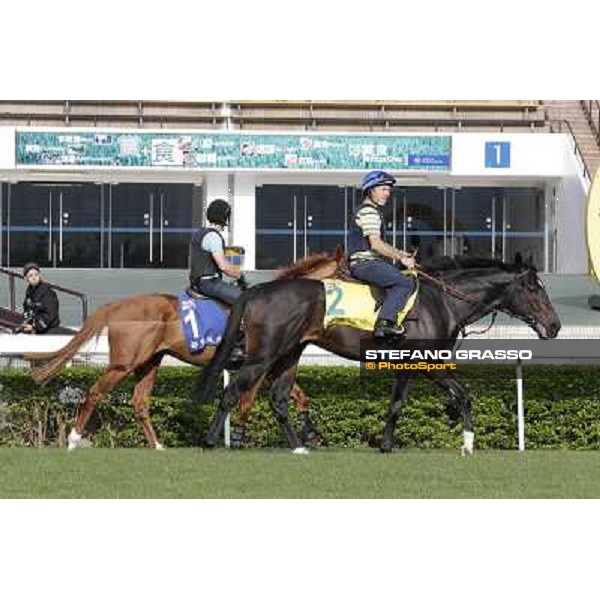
384, 328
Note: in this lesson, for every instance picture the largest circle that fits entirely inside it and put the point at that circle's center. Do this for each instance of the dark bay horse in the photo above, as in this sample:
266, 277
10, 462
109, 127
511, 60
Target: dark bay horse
283, 316
141, 331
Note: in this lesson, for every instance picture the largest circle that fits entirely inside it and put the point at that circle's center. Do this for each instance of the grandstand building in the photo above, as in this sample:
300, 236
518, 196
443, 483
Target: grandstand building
119, 186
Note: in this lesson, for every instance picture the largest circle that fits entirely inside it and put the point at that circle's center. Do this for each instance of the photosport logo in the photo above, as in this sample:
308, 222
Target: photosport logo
378, 359
472, 357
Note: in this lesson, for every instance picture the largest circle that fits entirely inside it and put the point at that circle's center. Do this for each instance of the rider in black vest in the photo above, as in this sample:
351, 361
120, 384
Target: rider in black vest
369, 255
208, 263
40, 307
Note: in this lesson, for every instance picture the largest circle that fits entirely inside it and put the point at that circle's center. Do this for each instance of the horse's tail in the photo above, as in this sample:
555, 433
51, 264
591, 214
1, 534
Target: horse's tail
206, 386
92, 326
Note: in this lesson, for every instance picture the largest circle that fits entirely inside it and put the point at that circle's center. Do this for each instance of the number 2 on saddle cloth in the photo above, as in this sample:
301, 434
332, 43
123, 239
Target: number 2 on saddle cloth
351, 303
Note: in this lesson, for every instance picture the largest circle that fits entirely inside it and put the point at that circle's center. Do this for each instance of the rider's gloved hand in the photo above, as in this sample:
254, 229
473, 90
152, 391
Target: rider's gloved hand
242, 282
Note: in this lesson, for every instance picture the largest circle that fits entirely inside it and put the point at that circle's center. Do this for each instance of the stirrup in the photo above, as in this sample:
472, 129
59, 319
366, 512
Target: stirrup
237, 355
385, 329
236, 359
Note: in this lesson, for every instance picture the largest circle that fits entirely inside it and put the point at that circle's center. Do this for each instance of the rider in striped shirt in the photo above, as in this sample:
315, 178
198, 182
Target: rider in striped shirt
370, 256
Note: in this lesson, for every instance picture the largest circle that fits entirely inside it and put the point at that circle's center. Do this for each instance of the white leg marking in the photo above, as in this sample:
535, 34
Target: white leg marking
74, 440
300, 450
467, 447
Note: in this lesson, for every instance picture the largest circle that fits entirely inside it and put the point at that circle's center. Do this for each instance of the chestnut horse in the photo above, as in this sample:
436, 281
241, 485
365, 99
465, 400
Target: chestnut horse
141, 331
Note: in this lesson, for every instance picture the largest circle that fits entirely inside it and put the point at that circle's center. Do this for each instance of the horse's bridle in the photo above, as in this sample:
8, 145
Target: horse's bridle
452, 291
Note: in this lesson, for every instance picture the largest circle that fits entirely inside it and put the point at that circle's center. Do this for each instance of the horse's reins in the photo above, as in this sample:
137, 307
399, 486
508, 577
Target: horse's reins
449, 289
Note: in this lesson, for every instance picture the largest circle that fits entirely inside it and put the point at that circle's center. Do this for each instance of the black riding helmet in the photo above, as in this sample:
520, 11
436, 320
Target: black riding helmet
218, 212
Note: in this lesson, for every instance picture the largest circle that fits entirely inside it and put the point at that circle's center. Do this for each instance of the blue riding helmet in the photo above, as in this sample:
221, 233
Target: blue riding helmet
374, 178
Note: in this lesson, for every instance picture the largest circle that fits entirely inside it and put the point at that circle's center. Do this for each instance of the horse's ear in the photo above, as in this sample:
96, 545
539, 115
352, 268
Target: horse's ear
339, 253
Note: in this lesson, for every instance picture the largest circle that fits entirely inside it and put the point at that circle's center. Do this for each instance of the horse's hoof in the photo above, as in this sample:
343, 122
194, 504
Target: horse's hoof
385, 449
465, 451
312, 441
159, 446
209, 444
237, 438
301, 450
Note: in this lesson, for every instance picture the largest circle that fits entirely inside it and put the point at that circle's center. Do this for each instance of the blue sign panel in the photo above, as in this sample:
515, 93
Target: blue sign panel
427, 161
497, 155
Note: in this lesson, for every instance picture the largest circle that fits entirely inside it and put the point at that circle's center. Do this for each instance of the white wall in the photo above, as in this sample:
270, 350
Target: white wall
571, 203
532, 155
572, 255
244, 216
216, 187
7, 148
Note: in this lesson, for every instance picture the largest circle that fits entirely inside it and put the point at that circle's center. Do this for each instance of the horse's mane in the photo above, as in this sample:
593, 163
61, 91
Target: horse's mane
438, 265
306, 265
442, 264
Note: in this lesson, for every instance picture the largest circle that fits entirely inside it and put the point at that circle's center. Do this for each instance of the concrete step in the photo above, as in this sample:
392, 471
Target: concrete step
586, 137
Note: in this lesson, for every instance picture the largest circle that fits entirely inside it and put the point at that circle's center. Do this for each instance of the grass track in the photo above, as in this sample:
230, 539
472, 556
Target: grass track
187, 473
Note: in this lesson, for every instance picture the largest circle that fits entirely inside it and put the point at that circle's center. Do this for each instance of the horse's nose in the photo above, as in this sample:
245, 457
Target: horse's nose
555, 328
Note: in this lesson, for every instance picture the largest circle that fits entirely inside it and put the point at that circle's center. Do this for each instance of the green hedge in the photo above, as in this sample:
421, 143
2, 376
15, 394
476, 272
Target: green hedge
562, 409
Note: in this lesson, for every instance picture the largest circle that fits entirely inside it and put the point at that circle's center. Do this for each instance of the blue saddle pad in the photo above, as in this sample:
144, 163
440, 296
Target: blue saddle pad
203, 321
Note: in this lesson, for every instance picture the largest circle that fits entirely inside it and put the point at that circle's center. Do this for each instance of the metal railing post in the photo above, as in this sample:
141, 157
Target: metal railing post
520, 407
11, 287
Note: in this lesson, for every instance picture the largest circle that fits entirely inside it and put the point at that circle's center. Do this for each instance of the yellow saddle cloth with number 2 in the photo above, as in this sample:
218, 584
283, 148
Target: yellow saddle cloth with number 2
352, 304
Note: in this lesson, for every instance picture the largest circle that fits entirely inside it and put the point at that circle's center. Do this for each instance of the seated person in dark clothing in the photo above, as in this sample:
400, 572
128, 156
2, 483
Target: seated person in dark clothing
208, 261
208, 264
40, 307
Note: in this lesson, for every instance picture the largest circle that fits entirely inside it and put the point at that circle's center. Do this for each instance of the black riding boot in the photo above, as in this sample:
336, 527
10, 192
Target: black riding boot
386, 328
